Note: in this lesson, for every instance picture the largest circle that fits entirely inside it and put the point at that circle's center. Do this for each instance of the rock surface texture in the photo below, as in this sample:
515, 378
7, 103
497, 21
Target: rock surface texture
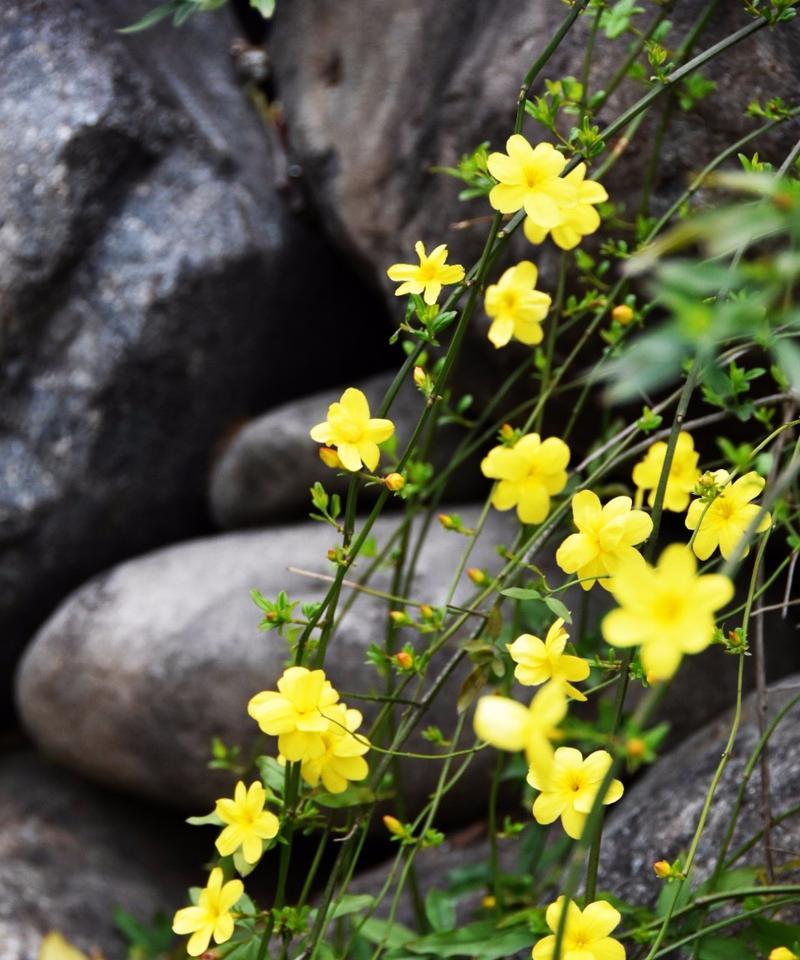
70, 854
147, 271
135, 673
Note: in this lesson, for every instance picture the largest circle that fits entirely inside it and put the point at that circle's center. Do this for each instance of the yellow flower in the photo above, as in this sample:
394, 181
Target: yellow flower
516, 307
683, 473
529, 177
586, 932
577, 219
782, 953
530, 472
539, 661
55, 947
248, 823
722, 523
429, 276
508, 725
343, 759
606, 536
667, 609
573, 786
212, 915
293, 712
350, 429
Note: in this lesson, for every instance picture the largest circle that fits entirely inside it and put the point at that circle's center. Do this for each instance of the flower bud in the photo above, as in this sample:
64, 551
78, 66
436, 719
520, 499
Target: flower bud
329, 457
426, 610
662, 869
489, 902
332, 555
394, 482
419, 376
446, 521
622, 313
404, 659
635, 748
394, 826
400, 617
477, 576
506, 432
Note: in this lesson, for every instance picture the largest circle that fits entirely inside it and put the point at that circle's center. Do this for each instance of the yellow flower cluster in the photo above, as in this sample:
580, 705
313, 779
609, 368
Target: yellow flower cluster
313, 728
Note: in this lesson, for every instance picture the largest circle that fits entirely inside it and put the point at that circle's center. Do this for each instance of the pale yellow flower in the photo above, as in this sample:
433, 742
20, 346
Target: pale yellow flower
529, 178
723, 522
55, 947
667, 610
343, 759
516, 307
353, 432
294, 713
578, 219
428, 276
683, 472
606, 536
540, 661
586, 932
212, 915
529, 473
508, 725
572, 788
248, 823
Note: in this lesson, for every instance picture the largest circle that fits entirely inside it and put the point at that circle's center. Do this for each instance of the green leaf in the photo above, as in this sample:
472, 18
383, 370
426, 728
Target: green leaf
209, 818
265, 7
787, 356
243, 868
272, 774
481, 940
724, 948
521, 593
352, 903
558, 608
150, 19
440, 909
393, 935
352, 797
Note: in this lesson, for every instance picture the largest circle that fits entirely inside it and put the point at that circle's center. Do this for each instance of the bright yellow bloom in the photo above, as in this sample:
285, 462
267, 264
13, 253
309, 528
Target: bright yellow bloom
212, 915
55, 947
248, 823
578, 219
782, 953
667, 609
530, 473
516, 307
343, 759
573, 786
350, 429
539, 661
606, 536
683, 473
508, 725
429, 276
293, 713
586, 932
722, 523
529, 177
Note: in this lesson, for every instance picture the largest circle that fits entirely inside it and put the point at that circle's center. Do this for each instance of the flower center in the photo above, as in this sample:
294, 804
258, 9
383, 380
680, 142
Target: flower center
428, 272
725, 510
531, 177
668, 608
510, 300
350, 432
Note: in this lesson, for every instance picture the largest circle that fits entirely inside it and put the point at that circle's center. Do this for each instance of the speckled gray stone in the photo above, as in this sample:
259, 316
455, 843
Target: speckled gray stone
71, 853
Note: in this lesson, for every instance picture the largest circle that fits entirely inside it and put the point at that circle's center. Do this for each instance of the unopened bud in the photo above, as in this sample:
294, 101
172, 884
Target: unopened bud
446, 521
662, 869
622, 313
329, 457
399, 616
332, 555
394, 826
404, 659
394, 482
426, 610
489, 902
477, 576
506, 432
419, 376
635, 747
707, 479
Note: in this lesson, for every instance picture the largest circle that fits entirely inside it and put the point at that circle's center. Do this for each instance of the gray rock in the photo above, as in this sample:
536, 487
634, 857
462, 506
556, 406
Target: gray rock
163, 653
70, 854
373, 103
265, 472
147, 268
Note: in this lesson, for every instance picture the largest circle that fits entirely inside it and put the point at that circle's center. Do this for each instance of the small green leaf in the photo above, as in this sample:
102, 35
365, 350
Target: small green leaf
558, 608
265, 7
153, 17
521, 593
210, 818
